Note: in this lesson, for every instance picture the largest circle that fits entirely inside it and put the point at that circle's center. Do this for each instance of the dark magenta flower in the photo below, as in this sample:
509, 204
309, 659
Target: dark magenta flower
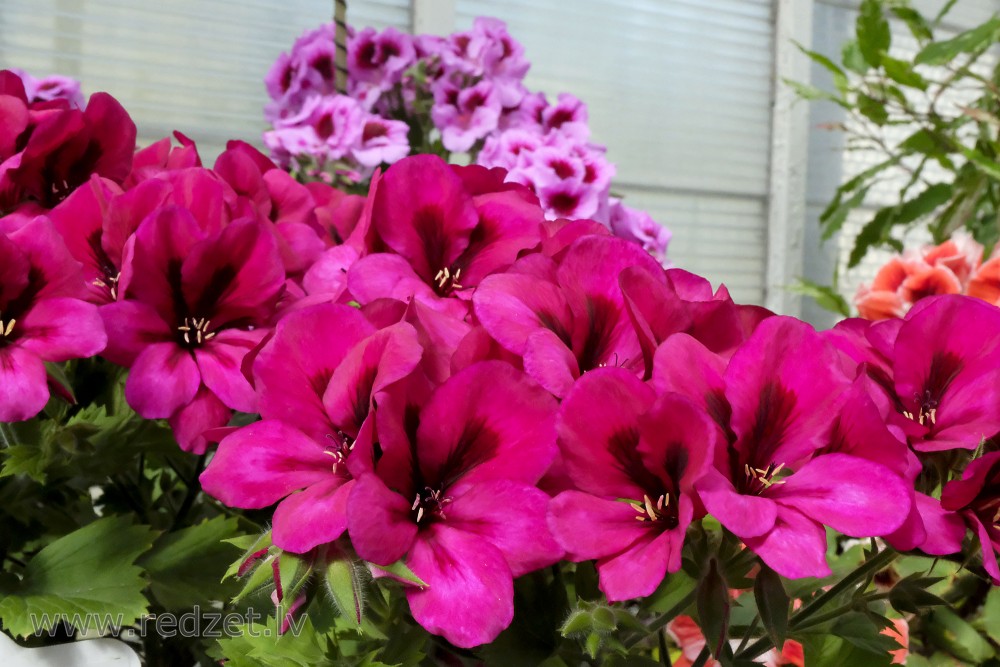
454, 493
634, 458
565, 320
776, 402
444, 239
192, 304
316, 378
976, 497
43, 316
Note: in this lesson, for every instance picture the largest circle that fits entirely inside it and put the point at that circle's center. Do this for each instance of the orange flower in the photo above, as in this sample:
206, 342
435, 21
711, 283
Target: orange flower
985, 284
901, 633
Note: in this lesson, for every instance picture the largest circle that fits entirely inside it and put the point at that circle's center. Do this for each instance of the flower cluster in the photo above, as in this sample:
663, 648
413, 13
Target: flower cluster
459, 94
956, 266
455, 387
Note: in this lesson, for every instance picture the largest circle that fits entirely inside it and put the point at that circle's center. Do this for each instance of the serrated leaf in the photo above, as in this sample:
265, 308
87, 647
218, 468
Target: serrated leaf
185, 567
874, 36
713, 603
88, 571
970, 41
260, 645
772, 604
251, 545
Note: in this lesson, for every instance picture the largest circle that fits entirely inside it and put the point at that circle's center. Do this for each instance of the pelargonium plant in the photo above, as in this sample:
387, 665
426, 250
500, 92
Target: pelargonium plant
430, 424
457, 95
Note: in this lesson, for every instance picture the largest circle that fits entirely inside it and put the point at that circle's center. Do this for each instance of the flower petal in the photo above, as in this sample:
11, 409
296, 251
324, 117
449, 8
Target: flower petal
62, 329
380, 522
263, 462
189, 424
23, 387
163, 379
794, 548
469, 597
220, 362
314, 516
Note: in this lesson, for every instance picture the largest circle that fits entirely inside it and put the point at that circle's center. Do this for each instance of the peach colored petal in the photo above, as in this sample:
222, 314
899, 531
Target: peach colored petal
961, 254
901, 633
985, 284
930, 282
892, 275
879, 305
792, 653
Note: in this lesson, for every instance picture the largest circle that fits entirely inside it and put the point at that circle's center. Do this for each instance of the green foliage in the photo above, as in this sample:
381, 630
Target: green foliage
878, 92
89, 571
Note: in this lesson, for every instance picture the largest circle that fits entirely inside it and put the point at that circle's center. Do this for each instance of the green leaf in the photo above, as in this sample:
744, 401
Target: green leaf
185, 567
873, 32
970, 41
88, 571
839, 77
914, 20
401, 571
345, 583
772, 604
828, 650
872, 109
910, 595
989, 166
949, 631
260, 645
712, 601
871, 234
833, 220
826, 297
924, 203
860, 630
850, 55
903, 73
807, 92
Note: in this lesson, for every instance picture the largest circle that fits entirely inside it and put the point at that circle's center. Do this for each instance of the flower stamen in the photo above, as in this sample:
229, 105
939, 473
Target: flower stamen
197, 328
6, 329
764, 476
648, 511
446, 280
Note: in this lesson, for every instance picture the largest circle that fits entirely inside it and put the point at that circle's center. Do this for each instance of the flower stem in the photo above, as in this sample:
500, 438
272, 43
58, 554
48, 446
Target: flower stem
662, 621
869, 567
7, 437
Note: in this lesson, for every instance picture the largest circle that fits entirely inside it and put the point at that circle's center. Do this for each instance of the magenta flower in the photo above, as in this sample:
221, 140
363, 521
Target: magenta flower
42, 316
619, 441
52, 87
317, 379
453, 493
774, 404
567, 116
193, 303
569, 319
445, 240
379, 58
945, 373
976, 497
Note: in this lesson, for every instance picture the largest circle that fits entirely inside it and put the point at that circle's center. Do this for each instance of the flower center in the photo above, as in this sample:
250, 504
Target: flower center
928, 409
342, 446
759, 479
446, 281
429, 502
195, 330
111, 285
659, 511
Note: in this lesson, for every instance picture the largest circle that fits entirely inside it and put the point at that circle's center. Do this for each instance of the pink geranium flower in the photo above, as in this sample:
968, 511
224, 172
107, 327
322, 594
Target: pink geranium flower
568, 319
773, 402
619, 441
42, 316
193, 304
317, 379
464, 116
976, 497
453, 492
